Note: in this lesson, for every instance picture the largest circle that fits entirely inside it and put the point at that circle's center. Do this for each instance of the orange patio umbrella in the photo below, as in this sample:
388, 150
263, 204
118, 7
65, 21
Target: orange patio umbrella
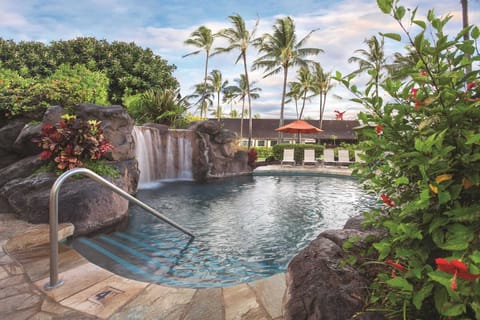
299, 126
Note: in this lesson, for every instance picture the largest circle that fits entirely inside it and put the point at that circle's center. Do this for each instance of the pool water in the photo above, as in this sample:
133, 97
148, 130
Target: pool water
246, 228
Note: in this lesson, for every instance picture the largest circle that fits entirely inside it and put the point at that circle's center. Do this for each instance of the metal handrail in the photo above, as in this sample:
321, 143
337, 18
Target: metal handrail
53, 216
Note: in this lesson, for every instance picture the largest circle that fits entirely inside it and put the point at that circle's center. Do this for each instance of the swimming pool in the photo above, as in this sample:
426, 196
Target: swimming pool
246, 228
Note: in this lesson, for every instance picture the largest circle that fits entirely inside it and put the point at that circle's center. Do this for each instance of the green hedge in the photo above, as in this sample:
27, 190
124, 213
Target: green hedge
298, 153
264, 152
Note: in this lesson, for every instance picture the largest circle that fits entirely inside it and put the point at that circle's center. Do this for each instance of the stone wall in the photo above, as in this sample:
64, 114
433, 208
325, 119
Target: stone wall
83, 202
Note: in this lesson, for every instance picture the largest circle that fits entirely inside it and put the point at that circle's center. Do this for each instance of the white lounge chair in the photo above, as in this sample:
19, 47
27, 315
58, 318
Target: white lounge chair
329, 157
343, 157
358, 155
288, 157
309, 157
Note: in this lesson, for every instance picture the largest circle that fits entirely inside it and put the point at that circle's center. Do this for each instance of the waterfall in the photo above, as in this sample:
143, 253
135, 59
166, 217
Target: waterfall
163, 156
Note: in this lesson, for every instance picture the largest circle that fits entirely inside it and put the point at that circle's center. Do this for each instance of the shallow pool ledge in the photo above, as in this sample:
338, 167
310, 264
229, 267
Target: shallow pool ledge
302, 170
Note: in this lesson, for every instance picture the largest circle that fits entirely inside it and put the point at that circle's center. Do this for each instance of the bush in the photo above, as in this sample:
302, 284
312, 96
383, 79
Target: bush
264, 152
298, 153
424, 163
72, 142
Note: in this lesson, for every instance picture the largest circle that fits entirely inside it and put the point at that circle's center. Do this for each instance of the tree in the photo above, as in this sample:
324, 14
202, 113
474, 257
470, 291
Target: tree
202, 38
204, 98
281, 50
218, 85
372, 61
130, 69
240, 91
322, 85
305, 84
239, 38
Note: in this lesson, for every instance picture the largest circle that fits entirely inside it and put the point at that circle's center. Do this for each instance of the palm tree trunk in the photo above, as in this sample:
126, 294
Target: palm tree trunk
205, 84
465, 23
241, 119
218, 106
303, 105
320, 118
282, 106
249, 102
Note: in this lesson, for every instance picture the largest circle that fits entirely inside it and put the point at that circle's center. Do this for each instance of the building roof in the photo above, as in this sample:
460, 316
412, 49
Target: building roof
265, 128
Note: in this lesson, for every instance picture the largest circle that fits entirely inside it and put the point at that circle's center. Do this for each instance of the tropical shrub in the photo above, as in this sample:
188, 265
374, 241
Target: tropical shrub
72, 142
298, 150
67, 86
252, 156
423, 160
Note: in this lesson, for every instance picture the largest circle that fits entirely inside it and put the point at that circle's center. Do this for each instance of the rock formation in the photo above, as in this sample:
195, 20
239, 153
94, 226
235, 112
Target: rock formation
215, 154
84, 202
320, 285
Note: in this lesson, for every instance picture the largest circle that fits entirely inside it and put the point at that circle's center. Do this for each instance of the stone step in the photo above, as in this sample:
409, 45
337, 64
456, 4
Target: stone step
37, 235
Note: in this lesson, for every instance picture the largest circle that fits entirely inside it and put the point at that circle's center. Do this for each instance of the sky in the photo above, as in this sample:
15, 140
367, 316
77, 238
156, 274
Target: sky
163, 26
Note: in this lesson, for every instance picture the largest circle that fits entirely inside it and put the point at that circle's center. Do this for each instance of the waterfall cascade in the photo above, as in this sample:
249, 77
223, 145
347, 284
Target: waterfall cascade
163, 156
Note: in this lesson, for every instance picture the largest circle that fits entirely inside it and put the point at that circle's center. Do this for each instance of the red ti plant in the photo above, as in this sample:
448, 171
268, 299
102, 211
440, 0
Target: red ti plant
73, 141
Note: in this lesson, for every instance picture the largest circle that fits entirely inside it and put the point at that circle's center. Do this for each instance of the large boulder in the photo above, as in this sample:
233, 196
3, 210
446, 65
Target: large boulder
215, 154
8, 135
117, 128
84, 202
320, 286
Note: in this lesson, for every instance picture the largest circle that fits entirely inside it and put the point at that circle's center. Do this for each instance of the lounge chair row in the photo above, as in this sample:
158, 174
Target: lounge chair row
328, 157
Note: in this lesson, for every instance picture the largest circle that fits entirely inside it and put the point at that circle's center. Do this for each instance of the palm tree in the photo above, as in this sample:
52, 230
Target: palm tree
204, 95
322, 85
201, 38
240, 38
294, 94
305, 83
240, 91
281, 51
372, 61
217, 85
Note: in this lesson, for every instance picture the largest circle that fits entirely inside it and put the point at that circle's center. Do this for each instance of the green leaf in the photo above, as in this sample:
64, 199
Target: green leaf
400, 181
420, 23
443, 197
385, 5
399, 13
473, 139
400, 283
421, 294
394, 36
475, 32
457, 238
475, 257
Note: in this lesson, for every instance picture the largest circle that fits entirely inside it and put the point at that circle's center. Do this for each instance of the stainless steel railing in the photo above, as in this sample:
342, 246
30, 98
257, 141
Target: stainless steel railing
53, 216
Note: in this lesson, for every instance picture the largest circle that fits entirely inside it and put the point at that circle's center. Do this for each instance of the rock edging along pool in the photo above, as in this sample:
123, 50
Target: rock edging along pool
246, 228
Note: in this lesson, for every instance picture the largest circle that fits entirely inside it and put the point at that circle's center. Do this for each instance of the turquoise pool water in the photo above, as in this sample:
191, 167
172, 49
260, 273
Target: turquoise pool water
246, 228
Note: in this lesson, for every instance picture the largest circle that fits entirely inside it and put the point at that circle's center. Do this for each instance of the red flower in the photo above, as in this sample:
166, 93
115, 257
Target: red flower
387, 200
414, 91
471, 85
395, 265
379, 130
339, 115
457, 268
423, 73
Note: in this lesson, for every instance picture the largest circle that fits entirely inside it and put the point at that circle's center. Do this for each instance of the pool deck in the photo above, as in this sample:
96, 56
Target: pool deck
90, 292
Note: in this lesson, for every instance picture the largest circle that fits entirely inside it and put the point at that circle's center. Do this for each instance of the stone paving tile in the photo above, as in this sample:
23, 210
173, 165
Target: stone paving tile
207, 304
75, 280
270, 292
106, 297
3, 273
13, 268
241, 304
20, 315
157, 302
20, 302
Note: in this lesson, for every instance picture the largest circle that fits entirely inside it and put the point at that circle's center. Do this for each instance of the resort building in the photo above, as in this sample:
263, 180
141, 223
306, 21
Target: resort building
264, 134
